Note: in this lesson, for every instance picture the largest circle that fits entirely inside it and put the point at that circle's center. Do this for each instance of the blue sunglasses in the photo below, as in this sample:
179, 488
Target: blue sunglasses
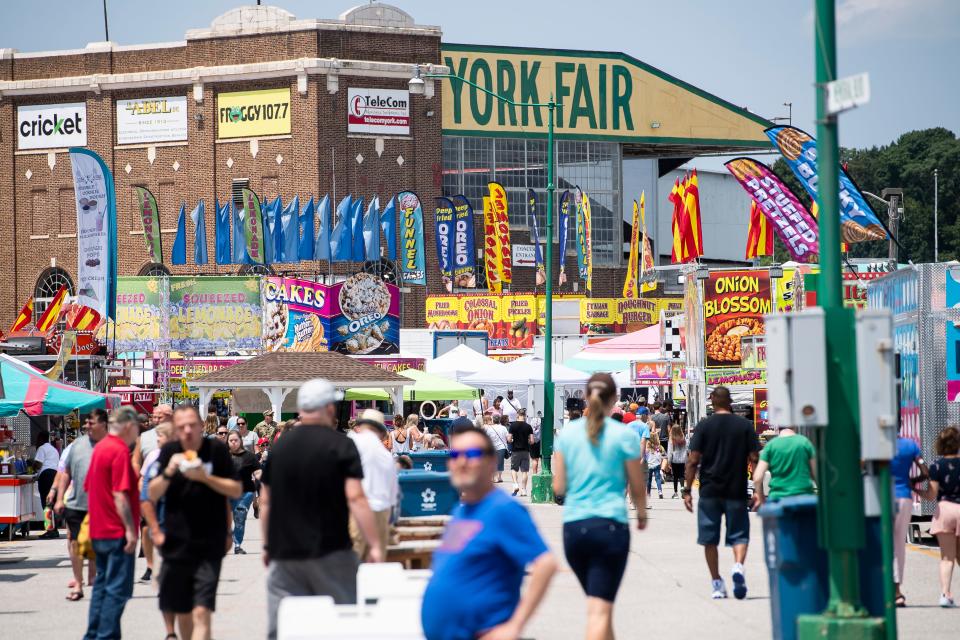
469, 454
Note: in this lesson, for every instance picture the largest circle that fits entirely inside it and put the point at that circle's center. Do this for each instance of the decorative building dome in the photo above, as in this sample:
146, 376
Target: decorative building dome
378, 14
252, 19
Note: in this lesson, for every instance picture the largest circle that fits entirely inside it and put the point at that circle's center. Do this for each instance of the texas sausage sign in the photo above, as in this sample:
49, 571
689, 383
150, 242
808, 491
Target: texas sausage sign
603, 96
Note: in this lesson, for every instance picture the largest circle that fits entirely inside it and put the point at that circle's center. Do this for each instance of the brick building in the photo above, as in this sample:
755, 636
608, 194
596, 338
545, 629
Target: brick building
616, 110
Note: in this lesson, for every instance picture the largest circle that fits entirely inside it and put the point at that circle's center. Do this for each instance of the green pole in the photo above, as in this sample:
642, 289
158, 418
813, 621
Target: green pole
840, 506
886, 528
546, 438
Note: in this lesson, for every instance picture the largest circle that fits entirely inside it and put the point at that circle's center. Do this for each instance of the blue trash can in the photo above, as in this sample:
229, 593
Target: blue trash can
426, 493
430, 460
795, 563
871, 568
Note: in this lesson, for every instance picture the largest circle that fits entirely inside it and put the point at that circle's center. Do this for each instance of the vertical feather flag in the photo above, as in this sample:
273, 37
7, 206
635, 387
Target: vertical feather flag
357, 250
588, 229
541, 276
198, 216
179, 253
340, 236
584, 239
692, 205
563, 227
492, 252
253, 227
646, 254
445, 233
221, 232
52, 313
306, 222
498, 199
321, 246
239, 235
150, 218
24, 318
388, 226
290, 231
371, 230
633, 261
413, 260
759, 234
464, 245
676, 250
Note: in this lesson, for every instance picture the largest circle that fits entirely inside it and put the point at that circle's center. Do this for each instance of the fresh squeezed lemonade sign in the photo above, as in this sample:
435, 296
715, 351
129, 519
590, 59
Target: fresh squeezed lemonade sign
734, 303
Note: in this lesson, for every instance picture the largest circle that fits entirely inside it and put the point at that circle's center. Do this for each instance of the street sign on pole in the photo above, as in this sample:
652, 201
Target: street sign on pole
847, 93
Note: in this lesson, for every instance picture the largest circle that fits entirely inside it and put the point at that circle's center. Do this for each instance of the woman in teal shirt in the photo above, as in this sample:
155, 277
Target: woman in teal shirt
595, 459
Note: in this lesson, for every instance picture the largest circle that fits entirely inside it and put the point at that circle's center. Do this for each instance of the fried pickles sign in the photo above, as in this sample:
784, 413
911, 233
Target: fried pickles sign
734, 303
602, 95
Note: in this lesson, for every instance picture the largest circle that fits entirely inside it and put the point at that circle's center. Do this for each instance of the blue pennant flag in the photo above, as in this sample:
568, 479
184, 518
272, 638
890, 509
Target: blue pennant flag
222, 232
321, 247
271, 229
290, 231
371, 230
357, 252
388, 225
179, 253
306, 222
198, 216
239, 235
341, 237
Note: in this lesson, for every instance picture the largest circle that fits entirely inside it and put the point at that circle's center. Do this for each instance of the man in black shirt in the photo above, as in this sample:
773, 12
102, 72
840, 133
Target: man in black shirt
197, 480
311, 486
722, 447
520, 437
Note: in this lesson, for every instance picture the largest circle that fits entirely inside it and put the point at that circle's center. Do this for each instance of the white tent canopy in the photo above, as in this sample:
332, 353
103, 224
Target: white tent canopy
526, 371
462, 362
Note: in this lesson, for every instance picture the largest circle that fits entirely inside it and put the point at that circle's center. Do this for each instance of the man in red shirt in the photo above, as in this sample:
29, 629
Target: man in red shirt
114, 511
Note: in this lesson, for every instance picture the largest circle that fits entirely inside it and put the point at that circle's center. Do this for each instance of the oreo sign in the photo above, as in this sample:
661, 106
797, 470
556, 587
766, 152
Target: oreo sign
378, 111
49, 126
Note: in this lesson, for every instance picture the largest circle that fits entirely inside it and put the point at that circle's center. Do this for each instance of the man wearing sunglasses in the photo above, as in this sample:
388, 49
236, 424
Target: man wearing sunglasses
486, 549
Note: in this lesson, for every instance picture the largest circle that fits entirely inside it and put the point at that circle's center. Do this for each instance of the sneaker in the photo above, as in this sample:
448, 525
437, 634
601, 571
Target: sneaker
946, 602
661, 496
719, 589
739, 582
675, 496
516, 491
238, 551
147, 575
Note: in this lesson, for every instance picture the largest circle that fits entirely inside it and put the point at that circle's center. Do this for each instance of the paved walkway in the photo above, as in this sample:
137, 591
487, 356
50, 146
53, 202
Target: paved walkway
665, 592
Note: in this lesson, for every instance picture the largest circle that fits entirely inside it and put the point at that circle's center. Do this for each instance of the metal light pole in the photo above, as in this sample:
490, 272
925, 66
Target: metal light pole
542, 488
840, 506
936, 235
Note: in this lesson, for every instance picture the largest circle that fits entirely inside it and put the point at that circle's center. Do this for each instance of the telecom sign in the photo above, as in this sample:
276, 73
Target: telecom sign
51, 126
378, 111
152, 120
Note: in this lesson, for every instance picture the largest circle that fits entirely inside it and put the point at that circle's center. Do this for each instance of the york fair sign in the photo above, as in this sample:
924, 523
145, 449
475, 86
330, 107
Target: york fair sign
378, 111
51, 126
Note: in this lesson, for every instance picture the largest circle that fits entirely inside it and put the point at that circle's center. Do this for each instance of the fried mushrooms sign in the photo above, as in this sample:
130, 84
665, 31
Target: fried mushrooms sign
734, 303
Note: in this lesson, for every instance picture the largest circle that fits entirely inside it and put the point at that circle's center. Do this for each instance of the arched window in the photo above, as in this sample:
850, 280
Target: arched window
255, 270
48, 284
154, 269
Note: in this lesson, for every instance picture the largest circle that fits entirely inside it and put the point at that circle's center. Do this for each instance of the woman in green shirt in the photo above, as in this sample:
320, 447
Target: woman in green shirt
790, 458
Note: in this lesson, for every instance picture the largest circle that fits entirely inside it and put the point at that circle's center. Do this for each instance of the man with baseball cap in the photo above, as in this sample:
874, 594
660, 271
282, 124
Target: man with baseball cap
312, 484
267, 427
379, 479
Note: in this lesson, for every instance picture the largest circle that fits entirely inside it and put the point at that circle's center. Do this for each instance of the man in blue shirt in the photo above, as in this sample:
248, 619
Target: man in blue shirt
486, 549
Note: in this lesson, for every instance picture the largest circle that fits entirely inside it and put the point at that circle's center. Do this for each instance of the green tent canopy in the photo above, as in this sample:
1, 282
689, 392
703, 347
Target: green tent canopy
426, 387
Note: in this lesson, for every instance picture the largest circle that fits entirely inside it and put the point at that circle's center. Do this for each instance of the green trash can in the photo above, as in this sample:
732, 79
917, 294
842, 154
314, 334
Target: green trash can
426, 493
430, 460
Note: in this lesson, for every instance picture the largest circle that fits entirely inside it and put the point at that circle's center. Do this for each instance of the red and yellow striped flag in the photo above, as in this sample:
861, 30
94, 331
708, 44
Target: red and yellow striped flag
82, 318
676, 253
759, 234
26, 315
694, 231
52, 313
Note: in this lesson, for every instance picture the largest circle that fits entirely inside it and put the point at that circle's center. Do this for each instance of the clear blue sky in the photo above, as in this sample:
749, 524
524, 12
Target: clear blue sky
755, 54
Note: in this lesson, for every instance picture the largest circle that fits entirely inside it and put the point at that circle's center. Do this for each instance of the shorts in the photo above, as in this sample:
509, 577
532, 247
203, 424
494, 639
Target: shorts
74, 518
596, 550
709, 513
535, 450
185, 584
946, 518
520, 461
501, 458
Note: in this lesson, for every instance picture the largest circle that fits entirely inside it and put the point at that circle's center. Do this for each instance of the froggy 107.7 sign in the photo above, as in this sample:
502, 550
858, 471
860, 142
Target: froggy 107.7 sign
734, 303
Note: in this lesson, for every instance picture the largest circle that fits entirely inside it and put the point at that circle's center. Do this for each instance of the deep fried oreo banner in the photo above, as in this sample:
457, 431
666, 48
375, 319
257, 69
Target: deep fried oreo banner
734, 303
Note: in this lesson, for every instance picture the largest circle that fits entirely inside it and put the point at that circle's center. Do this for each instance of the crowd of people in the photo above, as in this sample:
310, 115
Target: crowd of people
326, 495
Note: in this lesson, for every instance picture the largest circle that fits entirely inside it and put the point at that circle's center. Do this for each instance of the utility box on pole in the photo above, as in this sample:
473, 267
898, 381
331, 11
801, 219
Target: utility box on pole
797, 369
876, 364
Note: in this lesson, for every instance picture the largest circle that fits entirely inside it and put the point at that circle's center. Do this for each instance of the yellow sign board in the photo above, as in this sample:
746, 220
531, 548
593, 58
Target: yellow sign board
245, 114
602, 95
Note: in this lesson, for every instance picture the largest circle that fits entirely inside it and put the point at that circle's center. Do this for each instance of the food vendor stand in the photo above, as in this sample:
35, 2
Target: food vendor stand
27, 390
